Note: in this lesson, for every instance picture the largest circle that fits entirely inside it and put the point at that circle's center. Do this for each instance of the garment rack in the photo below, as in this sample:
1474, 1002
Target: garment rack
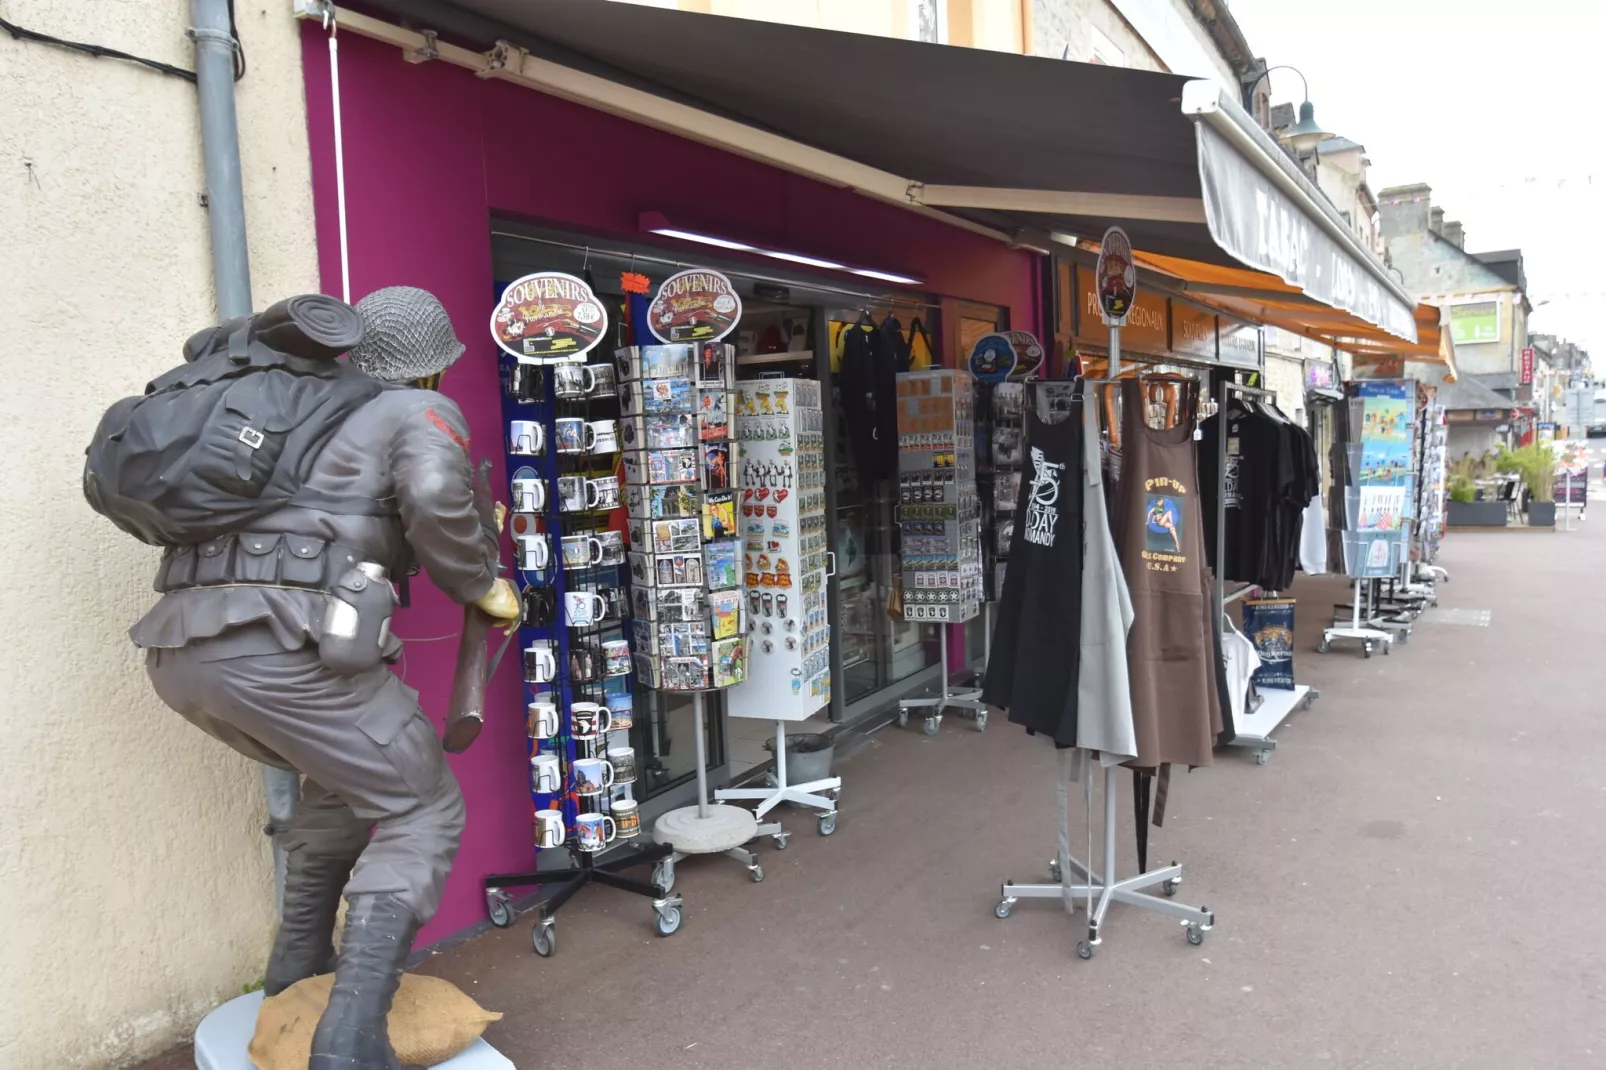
1072, 764
1254, 728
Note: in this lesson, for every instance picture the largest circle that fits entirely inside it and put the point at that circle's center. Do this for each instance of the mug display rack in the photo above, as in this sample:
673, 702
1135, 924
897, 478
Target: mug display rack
563, 442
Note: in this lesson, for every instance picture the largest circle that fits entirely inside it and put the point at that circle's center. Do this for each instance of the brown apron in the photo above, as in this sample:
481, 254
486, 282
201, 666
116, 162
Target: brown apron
1176, 710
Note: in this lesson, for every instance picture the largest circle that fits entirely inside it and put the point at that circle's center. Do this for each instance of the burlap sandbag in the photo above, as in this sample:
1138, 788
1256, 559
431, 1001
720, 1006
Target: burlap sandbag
430, 1021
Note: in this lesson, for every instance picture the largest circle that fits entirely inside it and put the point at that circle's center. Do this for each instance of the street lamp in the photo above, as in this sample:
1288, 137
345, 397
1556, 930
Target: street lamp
1306, 134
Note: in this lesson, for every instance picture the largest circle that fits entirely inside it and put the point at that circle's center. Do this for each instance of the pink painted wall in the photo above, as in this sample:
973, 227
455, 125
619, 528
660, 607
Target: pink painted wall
431, 153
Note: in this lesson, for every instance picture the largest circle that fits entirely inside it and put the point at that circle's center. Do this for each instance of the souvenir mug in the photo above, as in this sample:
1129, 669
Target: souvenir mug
569, 432
529, 495
592, 776
615, 598
546, 776
623, 760
549, 828
585, 663
582, 551
612, 547
539, 606
627, 816
524, 383
526, 438
569, 381
588, 720
602, 492
622, 712
524, 524
583, 609
594, 831
572, 493
616, 657
535, 552
542, 721
602, 436
603, 381
540, 662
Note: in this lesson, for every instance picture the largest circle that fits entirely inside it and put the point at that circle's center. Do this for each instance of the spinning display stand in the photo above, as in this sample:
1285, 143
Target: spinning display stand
1196, 921
782, 518
563, 446
939, 515
686, 580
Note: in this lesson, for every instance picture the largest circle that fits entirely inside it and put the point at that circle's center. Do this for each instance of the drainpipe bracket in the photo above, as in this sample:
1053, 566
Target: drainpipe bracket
322, 10
504, 57
428, 51
218, 37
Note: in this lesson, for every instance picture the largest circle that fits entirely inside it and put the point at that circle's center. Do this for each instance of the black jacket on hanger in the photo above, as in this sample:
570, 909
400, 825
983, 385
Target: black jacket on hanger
870, 399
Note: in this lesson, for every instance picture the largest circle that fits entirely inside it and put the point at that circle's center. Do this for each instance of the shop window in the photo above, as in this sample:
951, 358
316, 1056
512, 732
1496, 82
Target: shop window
928, 21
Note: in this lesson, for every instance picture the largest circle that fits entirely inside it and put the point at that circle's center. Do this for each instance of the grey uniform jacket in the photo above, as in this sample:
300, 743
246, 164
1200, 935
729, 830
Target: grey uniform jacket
406, 446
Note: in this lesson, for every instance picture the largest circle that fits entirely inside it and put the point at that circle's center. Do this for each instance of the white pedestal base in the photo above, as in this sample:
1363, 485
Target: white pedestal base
223, 1035
706, 830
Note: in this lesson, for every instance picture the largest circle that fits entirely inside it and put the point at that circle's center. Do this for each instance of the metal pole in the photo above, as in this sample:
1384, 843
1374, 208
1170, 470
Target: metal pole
702, 757
1567, 506
231, 276
942, 644
1109, 826
1115, 353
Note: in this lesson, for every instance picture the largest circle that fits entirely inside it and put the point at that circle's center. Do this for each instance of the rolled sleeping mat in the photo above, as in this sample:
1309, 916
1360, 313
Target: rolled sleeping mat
313, 326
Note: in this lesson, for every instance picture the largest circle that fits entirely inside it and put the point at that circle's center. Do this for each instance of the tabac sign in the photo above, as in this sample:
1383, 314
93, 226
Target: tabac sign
548, 318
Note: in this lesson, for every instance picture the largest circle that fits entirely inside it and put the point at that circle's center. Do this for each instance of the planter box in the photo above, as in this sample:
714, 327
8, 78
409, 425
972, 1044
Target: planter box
1541, 514
1476, 514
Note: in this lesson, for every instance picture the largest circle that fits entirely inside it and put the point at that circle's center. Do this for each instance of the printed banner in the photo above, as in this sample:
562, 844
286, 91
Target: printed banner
1269, 625
993, 358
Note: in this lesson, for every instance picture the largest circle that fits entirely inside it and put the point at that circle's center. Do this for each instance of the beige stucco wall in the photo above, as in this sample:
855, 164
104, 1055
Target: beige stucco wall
136, 883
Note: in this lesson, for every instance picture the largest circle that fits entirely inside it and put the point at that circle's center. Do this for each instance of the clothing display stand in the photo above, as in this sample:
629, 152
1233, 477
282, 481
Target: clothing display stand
967, 698
1099, 884
562, 445
1253, 729
807, 794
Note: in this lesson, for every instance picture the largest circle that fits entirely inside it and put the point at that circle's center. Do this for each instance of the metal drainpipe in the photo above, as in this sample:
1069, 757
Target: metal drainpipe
231, 273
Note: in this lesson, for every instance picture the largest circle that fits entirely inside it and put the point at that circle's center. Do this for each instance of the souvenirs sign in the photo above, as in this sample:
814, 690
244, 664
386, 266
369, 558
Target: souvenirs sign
694, 306
1117, 277
548, 318
993, 358
1029, 354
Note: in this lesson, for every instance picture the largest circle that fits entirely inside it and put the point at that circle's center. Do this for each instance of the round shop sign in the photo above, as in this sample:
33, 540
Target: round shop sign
992, 358
548, 318
1117, 277
698, 305
1028, 354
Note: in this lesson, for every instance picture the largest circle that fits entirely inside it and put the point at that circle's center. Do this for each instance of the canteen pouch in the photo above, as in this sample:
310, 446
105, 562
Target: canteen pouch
356, 621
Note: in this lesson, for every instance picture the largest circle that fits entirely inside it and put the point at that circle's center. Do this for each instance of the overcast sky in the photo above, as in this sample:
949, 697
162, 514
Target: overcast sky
1496, 105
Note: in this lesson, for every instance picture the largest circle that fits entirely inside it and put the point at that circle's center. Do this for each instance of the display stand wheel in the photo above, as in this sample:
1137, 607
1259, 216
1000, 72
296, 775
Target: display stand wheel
668, 922
1262, 757
780, 839
1388, 648
981, 720
1195, 935
1004, 909
1169, 888
827, 824
1324, 646
1084, 950
903, 718
663, 876
1366, 649
544, 938
501, 907
1055, 875
757, 873
932, 723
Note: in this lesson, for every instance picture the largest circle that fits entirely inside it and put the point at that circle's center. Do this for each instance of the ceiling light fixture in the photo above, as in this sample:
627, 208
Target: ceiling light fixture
658, 223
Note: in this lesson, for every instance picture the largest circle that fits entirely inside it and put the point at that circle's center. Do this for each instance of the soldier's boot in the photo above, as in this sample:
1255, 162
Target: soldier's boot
352, 1035
304, 946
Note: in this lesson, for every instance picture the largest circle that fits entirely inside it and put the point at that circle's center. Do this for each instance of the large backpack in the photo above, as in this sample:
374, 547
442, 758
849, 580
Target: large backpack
231, 435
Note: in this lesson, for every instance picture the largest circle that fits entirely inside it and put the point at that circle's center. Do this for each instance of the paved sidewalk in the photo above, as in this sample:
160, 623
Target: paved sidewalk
1410, 883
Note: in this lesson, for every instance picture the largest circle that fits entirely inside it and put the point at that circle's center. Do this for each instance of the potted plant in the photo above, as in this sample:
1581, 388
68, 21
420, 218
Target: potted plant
1537, 465
1463, 510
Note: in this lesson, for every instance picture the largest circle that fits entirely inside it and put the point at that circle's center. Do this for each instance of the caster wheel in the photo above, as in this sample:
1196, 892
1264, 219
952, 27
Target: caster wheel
757, 873
545, 939
1366, 651
663, 876
1055, 875
501, 911
1195, 935
981, 720
1308, 700
780, 840
1084, 950
1169, 888
668, 921
1323, 647
1388, 648
931, 726
1262, 757
903, 718
827, 824
1004, 909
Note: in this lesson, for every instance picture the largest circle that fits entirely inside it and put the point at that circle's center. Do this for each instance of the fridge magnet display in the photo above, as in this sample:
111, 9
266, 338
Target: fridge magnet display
698, 305
548, 318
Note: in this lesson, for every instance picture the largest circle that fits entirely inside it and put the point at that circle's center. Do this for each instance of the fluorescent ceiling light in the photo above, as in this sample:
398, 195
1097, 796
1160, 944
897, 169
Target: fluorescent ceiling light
658, 223
686, 235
